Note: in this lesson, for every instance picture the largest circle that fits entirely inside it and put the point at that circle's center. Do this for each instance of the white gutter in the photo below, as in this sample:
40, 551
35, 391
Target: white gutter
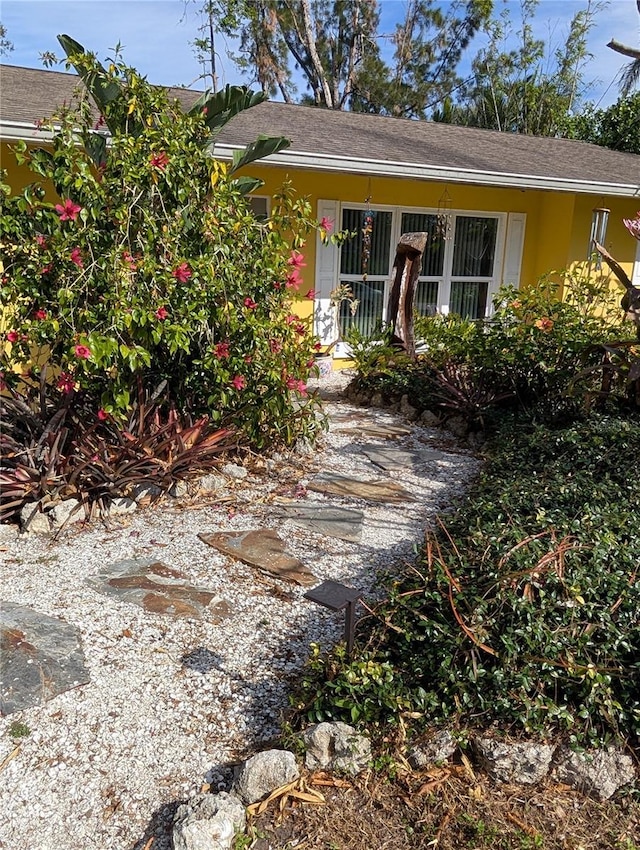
15, 130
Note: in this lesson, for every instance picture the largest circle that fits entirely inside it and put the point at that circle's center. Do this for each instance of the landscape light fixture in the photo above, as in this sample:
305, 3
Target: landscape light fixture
336, 596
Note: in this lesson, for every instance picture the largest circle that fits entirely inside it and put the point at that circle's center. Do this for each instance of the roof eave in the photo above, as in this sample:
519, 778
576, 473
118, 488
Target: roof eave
384, 168
304, 160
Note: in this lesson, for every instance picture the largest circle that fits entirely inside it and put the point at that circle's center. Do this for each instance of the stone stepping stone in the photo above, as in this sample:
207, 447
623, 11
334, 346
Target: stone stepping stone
390, 459
158, 589
40, 657
372, 429
328, 520
379, 490
264, 549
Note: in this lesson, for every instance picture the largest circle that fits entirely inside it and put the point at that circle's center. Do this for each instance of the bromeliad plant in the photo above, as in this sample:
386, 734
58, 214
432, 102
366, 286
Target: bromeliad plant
151, 266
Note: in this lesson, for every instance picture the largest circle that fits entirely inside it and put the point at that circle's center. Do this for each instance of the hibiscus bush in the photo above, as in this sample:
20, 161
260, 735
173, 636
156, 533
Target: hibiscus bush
151, 269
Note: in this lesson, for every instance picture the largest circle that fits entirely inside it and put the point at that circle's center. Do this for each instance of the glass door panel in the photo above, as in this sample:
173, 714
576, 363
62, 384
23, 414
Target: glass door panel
368, 315
351, 255
474, 246
469, 298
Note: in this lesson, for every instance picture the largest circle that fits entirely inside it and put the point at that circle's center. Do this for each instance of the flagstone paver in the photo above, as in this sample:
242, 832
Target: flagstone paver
40, 657
379, 490
158, 589
334, 521
264, 549
396, 460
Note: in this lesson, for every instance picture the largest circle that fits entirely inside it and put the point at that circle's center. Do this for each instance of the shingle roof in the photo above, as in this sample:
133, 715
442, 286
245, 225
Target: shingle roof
27, 95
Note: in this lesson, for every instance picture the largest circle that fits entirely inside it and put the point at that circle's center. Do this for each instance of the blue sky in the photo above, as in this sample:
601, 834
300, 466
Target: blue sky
156, 35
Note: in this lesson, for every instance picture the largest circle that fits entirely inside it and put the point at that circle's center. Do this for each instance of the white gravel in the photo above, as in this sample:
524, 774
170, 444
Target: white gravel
172, 702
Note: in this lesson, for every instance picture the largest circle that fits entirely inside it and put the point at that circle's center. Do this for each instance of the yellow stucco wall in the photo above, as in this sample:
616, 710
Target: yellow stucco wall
557, 226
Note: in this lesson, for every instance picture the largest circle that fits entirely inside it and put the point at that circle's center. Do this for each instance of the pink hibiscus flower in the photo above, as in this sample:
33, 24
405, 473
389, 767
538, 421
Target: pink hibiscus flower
633, 225
102, 414
296, 260
221, 350
42, 242
159, 160
239, 382
293, 280
182, 273
249, 303
326, 224
76, 257
68, 211
82, 351
311, 294
40, 314
161, 314
275, 345
13, 336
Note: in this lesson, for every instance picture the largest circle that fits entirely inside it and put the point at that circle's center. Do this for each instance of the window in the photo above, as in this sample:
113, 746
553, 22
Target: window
459, 273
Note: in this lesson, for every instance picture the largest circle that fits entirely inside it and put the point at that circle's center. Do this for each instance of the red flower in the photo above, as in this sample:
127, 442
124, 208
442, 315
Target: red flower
102, 414
13, 336
291, 318
99, 123
296, 259
161, 314
311, 294
249, 303
40, 314
239, 382
221, 350
298, 386
248, 358
182, 273
82, 351
293, 279
317, 346
76, 257
159, 160
68, 211
42, 242
326, 224
291, 383
66, 383
275, 345
46, 269
300, 329
126, 256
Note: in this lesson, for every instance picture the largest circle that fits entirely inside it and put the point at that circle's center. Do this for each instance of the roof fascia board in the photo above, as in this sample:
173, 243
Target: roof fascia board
16, 130
383, 168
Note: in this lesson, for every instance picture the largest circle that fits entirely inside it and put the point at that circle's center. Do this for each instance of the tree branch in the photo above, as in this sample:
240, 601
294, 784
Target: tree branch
632, 52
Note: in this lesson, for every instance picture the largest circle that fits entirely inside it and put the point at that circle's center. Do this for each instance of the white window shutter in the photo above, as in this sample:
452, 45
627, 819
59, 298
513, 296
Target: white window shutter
513, 249
326, 278
635, 274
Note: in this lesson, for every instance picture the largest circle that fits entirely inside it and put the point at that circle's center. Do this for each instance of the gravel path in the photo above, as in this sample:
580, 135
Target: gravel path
172, 702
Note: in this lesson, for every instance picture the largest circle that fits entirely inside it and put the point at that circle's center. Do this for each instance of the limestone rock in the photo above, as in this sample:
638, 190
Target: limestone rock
598, 773
67, 511
212, 482
33, 521
209, 822
407, 409
441, 747
336, 746
233, 470
258, 776
457, 425
122, 506
179, 490
429, 418
523, 762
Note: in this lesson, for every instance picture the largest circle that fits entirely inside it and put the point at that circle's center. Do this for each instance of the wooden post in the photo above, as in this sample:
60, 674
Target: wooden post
406, 271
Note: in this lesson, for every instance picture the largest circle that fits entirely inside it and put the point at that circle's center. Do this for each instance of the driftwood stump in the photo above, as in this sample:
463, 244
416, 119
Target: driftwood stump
406, 271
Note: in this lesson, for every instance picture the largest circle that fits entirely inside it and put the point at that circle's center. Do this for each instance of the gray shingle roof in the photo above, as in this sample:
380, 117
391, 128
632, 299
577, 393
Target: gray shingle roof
27, 95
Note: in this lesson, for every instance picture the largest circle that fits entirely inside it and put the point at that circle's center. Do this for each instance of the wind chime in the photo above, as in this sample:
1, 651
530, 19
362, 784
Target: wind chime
443, 220
368, 217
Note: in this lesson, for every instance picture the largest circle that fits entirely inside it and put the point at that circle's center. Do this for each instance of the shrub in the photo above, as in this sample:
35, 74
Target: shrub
523, 610
152, 266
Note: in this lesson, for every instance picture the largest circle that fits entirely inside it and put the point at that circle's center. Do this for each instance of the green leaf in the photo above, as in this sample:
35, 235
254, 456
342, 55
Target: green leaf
263, 146
246, 185
223, 105
103, 90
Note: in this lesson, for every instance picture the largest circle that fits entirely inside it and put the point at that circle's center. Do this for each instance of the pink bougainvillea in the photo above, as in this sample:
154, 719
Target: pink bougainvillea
182, 273
68, 211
